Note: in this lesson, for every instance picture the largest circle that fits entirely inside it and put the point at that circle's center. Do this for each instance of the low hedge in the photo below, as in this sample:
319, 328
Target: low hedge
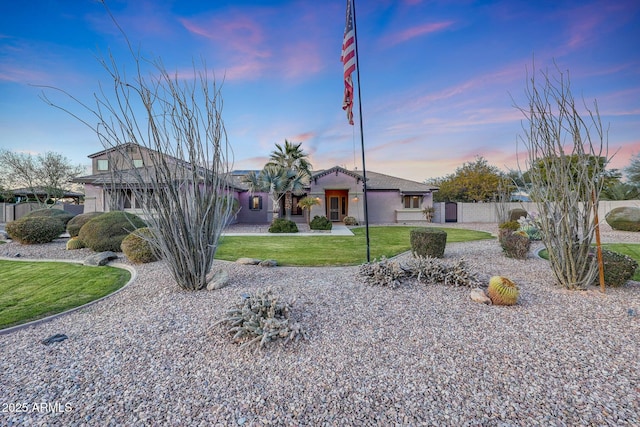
428, 242
76, 223
320, 223
137, 248
106, 232
62, 216
35, 229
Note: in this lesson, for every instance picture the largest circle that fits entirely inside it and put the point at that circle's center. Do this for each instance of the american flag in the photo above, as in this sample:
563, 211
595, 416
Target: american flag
349, 61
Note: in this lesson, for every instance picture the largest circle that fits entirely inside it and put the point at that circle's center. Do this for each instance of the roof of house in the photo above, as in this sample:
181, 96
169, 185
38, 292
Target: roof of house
380, 181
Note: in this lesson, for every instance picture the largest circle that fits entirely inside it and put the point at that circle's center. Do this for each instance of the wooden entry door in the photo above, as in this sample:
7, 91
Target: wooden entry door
336, 204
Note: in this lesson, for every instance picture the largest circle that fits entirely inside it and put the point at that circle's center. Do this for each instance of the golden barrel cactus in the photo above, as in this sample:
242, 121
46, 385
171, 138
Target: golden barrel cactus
74, 243
503, 291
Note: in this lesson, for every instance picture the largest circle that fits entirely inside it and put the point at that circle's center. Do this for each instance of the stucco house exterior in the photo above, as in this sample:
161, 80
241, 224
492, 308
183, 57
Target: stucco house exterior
340, 193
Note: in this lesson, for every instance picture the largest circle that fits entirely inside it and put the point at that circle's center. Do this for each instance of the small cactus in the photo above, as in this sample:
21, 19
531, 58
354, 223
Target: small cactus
503, 291
74, 243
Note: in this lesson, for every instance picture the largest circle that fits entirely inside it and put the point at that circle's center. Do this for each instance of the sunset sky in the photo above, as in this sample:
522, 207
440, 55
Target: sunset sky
439, 78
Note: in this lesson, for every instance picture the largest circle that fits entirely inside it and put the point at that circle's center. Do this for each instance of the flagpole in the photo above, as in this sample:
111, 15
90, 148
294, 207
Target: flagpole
364, 169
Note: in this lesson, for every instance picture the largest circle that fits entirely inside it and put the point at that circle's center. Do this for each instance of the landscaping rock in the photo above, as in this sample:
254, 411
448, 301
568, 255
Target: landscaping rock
478, 295
101, 258
54, 338
625, 218
219, 280
268, 263
3, 235
248, 261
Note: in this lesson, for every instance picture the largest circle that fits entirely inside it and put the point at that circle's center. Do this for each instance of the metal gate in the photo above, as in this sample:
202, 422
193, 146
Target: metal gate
450, 212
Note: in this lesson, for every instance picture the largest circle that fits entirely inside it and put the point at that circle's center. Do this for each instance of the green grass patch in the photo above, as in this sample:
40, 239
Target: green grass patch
33, 290
331, 250
629, 249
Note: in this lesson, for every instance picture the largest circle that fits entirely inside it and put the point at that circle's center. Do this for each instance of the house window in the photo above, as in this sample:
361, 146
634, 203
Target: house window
412, 202
137, 163
255, 203
103, 165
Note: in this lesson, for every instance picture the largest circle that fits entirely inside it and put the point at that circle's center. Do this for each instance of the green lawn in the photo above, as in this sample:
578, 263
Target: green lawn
33, 290
330, 250
629, 249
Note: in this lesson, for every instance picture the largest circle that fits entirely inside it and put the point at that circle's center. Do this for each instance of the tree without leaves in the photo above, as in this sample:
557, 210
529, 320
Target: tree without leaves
48, 174
565, 185
182, 185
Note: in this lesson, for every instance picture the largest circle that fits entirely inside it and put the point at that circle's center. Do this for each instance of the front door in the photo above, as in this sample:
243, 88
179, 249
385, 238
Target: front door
336, 204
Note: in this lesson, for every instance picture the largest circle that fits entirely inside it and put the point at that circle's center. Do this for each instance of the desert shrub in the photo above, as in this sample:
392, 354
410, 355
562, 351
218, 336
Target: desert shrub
62, 216
515, 245
624, 218
106, 232
428, 242
437, 270
509, 225
531, 226
137, 248
503, 291
283, 225
618, 268
74, 243
76, 223
349, 220
320, 223
35, 229
261, 318
382, 273
515, 214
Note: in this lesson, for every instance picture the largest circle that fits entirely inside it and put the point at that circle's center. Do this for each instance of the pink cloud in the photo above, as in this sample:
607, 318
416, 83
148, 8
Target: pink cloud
417, 31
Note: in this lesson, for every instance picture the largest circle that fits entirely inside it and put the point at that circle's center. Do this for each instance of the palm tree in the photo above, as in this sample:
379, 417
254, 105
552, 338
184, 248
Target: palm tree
291, 158
277, 181
306, 204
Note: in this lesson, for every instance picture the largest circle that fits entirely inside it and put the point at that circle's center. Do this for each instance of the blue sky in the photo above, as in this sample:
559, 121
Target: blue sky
437, 77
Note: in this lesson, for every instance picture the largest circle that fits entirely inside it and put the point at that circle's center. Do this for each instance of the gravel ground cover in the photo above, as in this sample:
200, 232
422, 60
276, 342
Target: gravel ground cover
416, 355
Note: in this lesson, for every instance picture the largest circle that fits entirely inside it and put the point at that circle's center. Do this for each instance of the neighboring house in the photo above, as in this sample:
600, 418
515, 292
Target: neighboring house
340, 192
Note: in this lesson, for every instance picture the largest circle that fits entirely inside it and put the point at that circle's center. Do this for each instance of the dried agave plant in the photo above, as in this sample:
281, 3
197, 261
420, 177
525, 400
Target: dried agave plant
262, 318
437, 270
382, 273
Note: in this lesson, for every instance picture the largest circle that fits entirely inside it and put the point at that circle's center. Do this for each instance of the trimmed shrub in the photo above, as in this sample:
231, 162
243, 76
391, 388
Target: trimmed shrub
74, 243
349, 220
320, 223
283, 225
515, 245
106, 232
503, 291
515, 214
624, 218
509, 225
76, 223
618, 268
428, 242
137, 248
60, 215
35, 229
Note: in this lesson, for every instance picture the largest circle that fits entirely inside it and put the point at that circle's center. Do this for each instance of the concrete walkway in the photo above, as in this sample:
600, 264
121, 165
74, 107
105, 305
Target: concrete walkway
336, 230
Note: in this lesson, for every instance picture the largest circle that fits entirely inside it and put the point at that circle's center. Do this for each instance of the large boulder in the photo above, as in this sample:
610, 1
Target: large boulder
100, 259
624, 218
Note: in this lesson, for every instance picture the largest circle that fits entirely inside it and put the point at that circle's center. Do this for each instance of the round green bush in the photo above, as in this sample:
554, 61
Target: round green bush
320, 223
106, 232
349, 220
428, 242
618, 268
624, 218
34, 230
62, 216
137, 248
76, 223
283, 225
